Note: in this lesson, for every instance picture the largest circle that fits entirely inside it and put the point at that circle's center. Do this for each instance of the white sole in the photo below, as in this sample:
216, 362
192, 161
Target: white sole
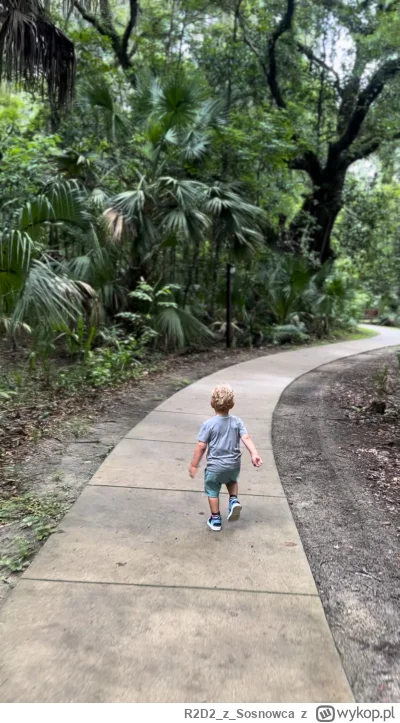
214, 529
235, 513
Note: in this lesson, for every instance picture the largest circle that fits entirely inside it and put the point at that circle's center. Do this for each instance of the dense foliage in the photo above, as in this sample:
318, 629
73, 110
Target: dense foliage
144, 148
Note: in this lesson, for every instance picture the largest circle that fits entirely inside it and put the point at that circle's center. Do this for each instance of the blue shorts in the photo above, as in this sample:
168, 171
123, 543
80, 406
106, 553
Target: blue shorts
213, 481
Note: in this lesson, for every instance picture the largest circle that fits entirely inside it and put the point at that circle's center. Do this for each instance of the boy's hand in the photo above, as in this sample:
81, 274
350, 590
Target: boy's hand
196, 459
257, 461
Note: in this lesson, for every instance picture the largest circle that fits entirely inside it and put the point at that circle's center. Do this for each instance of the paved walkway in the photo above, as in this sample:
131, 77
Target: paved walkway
135, 600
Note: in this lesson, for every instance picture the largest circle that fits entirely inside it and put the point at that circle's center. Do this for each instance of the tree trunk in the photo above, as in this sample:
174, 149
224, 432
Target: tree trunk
314, 224
214, 277
192, 270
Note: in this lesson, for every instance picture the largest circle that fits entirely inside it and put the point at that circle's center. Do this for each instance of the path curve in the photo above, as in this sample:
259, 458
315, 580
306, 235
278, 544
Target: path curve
135, 600
341, 521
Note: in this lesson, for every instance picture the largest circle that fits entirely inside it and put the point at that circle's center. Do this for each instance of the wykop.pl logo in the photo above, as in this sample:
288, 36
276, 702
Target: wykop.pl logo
325, 713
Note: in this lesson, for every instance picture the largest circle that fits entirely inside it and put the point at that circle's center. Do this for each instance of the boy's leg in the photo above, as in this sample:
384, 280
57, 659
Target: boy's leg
212, 489
235, 507
233, 489
215, 521
214, 505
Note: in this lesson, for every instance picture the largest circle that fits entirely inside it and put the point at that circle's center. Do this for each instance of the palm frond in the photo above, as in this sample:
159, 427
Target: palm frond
7, 325
99, 95
130, 204
34, 52
180, 328
100, 198
195, 145
11, 283
177, 100
115, 222
289, 334
194, 330
133, 211
16, 249
185, 193
73, 164
68, 204
171, 137
169, 326
47, 299
62, 203
236, 222
211, 114
81, 267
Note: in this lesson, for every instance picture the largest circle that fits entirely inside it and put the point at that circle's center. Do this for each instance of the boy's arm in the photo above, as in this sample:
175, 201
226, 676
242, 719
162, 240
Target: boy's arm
255, 457
197, 457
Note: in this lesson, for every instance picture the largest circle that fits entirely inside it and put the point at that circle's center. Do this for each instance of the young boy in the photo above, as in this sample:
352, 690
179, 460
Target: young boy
221, 436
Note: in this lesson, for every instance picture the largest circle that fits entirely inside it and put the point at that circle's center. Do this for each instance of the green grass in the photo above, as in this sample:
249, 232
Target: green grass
182, 383
38, 517
356, 335
340, 336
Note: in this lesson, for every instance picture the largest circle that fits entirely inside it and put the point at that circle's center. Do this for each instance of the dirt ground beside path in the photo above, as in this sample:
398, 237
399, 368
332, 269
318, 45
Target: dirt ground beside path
337, 448
46, 477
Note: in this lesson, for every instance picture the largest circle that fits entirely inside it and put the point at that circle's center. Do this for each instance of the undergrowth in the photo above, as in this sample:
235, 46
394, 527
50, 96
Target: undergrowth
37, 518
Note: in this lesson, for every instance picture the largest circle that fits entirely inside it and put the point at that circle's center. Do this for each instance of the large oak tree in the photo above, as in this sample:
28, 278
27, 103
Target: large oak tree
330, 69
333, 68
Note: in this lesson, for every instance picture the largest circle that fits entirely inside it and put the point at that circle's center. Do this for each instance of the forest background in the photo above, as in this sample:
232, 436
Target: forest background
145, 147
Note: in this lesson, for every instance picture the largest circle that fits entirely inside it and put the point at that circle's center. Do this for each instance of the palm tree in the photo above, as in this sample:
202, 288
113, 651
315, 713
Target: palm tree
155, 216
179, 118
35, 289
165, 212
33, 51
236, 228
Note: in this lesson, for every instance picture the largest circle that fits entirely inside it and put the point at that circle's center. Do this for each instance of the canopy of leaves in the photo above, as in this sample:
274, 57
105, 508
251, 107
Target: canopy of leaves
164, 141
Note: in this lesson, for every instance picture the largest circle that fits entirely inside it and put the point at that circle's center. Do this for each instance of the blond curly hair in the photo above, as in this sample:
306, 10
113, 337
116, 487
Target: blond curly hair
222, 398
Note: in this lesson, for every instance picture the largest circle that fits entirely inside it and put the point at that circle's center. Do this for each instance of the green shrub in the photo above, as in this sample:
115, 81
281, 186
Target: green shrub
289, 334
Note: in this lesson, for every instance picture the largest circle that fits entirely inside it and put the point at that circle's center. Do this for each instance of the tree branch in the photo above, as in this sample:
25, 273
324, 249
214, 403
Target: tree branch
105, 12
133, 15
364, 102
92, 19
367, 148
355, 20
310, 164
133, 49
106, 28
272, 75
252, 47
310, 55
268, 64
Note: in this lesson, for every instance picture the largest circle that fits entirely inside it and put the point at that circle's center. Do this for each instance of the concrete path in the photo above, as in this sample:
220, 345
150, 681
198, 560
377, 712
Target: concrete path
135, 600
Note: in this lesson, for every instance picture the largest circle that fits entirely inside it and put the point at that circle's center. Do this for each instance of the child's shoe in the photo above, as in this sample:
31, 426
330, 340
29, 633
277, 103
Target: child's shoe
215, 523
234, 509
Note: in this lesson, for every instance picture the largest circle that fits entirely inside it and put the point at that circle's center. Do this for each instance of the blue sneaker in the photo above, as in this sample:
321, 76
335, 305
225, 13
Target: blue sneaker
234, 509
215, 523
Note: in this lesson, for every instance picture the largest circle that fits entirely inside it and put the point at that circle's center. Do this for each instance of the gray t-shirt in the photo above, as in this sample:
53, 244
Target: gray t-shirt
222, 434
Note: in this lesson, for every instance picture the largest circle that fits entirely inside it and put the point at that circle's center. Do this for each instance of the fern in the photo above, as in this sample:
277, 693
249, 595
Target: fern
289, 334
